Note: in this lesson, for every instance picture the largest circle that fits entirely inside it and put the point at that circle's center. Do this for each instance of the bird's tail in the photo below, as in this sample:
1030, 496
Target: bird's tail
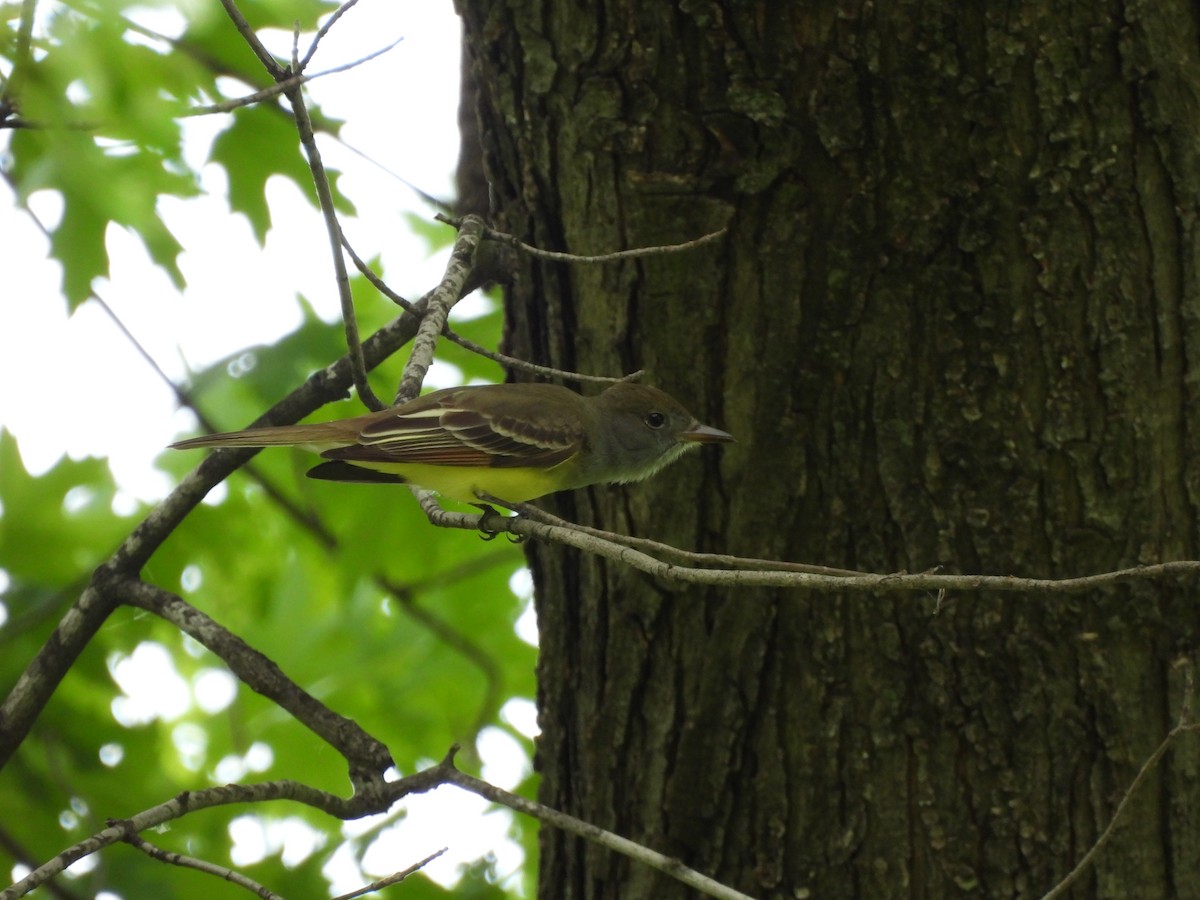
318, 436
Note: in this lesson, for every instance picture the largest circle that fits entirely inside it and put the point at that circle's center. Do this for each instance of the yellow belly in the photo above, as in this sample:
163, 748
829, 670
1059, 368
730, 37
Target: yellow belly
465, 484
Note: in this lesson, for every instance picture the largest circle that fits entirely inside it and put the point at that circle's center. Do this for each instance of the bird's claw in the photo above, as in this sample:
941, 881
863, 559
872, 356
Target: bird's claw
489, 534
485, 533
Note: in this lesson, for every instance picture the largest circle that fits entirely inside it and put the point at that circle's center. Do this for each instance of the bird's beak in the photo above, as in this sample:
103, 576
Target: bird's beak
705, 434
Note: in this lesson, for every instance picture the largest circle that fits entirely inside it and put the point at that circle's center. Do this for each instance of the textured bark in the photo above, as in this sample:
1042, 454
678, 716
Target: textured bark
953, 324
470, 182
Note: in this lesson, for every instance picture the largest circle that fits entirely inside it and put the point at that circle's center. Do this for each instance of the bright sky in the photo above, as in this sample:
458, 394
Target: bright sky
400, 111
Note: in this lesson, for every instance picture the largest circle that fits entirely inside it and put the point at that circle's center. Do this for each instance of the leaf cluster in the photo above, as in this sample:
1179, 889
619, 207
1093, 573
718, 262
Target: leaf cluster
94, 104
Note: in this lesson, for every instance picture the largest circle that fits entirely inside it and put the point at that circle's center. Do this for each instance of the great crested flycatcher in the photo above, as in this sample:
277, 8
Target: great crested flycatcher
511, 441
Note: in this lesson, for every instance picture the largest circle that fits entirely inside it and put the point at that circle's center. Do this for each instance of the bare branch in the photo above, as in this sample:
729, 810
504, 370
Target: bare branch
230, 794
19, 853
510, 361
760, 573
441, 299
281, 87
376, 282
324, 30
394, 878
321, 181
599, 836
190, 862
367, 757
274, 69
636, 253
1184, 726
42, 676
355, 807
687, 557
533, 368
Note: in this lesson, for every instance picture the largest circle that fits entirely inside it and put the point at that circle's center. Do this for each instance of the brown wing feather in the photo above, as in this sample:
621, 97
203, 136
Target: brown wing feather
449, 434
445, 455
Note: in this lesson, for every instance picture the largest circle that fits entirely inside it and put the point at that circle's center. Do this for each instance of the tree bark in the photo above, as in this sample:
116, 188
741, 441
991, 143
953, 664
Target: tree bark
951, 325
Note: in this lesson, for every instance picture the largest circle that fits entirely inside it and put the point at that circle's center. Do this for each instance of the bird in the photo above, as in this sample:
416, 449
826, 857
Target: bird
512, 442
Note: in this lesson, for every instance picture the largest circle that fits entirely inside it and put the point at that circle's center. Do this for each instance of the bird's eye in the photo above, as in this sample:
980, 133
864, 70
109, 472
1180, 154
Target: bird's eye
656, 419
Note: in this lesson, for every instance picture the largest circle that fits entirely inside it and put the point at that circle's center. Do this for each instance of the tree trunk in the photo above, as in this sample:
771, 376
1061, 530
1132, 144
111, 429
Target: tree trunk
951, 326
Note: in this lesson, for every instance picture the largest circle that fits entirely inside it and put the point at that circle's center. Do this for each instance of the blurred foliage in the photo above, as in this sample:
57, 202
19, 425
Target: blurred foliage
105, 98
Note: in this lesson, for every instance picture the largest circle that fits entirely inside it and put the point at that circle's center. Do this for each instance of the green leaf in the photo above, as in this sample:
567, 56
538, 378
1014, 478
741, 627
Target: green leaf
262, 142
258, 144
98, 187
107, 141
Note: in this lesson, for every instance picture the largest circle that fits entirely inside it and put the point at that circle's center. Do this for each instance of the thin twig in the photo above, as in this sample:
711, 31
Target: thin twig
599, 836
378, 283
522, 365
636, 253
685, 556
1183, 727
510, 361
281, 87
424, 196
324, 30
334, 230
225, 106
190, 862
394, 878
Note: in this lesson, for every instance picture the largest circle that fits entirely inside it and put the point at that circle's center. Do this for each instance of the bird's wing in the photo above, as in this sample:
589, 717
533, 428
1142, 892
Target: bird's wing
447, 432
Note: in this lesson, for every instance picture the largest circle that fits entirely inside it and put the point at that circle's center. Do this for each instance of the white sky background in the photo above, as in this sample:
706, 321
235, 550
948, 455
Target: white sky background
400, 111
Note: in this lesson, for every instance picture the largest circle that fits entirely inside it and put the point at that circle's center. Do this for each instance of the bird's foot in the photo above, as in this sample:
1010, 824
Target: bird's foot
489, 534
